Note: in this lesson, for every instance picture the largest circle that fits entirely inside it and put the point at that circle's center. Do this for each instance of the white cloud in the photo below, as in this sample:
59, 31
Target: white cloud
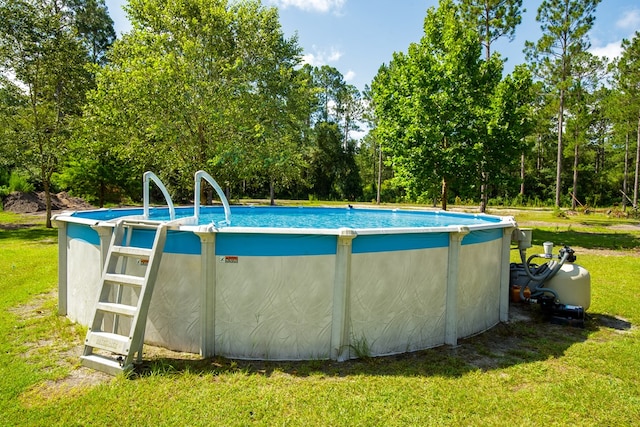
334, 55
611, 50
323, 6
318, 57
630, 21
349, 76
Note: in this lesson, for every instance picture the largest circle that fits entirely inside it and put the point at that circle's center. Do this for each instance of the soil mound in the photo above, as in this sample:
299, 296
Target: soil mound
35, 202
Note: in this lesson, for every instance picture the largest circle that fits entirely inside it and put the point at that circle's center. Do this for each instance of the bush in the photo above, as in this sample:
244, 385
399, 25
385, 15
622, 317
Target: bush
390, 192
558, 213
20, 182
4, 177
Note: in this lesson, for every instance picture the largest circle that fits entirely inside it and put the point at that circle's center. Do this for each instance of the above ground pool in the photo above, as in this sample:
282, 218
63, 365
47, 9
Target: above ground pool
291, 283
302, 283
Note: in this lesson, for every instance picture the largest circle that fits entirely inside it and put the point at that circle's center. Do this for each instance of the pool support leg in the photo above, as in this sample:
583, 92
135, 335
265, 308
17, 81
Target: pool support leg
62, 267
341, 297
207, 293
451, 308
504, 274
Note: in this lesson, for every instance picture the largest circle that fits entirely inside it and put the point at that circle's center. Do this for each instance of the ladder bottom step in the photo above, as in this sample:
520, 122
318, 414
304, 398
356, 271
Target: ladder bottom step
105, 364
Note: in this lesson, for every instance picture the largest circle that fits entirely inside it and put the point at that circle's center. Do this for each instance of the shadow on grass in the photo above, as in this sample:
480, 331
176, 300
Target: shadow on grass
28, 232
507, 344
587, 240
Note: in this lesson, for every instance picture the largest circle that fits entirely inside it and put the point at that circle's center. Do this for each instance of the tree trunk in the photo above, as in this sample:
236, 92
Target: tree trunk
626, 172
102, 193
635, 184
559, 158
575, 178
522, 175
379, 174
47, 198
539, 152
484, 197
445, 190
272, 193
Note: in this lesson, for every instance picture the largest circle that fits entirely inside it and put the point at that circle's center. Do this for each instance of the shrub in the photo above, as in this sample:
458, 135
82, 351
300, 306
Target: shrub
20, 182
558, 213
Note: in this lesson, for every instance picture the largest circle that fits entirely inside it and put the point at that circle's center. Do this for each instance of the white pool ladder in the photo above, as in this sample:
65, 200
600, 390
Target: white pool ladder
111, 347
147, 178
199, 176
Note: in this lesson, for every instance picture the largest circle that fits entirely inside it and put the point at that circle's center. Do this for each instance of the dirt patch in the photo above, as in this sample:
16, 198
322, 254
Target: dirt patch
25, 203
625, 227
11, 226
607, 252
65, 352
74, 385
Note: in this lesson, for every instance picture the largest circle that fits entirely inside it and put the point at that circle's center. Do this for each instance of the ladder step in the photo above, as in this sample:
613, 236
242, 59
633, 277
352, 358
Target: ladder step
124, 279
105, 364
142, 225
123, 309
107, 341
132, 251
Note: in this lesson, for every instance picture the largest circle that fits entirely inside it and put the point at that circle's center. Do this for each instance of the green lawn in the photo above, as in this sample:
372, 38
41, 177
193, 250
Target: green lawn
520, 373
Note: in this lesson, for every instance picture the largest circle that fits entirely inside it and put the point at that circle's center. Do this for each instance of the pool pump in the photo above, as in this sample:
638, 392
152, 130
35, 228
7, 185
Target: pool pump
561, 287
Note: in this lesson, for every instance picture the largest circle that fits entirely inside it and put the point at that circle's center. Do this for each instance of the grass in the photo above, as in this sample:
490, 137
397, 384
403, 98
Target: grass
519, 373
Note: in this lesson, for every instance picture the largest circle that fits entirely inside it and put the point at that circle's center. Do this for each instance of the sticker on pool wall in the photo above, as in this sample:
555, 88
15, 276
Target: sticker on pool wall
229, 259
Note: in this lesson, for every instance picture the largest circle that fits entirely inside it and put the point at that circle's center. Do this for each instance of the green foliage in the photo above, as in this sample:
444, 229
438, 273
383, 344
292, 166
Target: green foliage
95, 27
558, 213
492, 19
17, 181
333, 171
444, 113
565, 25
201, 84
42, 44
216, 85
626, 106
360, 347
20, 182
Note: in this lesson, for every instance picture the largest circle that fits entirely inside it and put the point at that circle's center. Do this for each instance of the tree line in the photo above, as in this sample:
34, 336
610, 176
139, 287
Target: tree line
215, 85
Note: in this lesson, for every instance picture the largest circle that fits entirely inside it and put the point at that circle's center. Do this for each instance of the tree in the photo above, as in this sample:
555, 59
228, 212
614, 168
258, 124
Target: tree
492, 19
627, 82
434, 106
203, 84
588, 72
12, 100
349, 111
509, 120
370, 158
94, 26
564, 24
325, 160
337, 110
40, 46
330, 83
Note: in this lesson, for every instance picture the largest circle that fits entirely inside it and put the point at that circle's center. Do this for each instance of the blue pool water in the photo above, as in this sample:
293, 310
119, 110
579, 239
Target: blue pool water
308, 217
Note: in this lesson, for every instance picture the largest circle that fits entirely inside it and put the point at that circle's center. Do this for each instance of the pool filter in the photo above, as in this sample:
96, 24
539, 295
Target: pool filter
561, 287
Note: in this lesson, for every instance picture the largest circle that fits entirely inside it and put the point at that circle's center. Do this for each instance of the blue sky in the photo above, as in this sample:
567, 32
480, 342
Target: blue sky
357, 36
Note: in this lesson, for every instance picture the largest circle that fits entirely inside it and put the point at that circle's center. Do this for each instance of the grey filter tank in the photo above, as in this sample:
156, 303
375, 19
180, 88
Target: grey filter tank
561, 287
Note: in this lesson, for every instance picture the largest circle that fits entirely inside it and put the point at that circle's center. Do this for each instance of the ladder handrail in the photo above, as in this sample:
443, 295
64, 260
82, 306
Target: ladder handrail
150, 176
196, 197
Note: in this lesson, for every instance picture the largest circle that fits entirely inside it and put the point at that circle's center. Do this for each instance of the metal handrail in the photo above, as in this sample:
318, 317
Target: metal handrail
196, 197
150, 176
